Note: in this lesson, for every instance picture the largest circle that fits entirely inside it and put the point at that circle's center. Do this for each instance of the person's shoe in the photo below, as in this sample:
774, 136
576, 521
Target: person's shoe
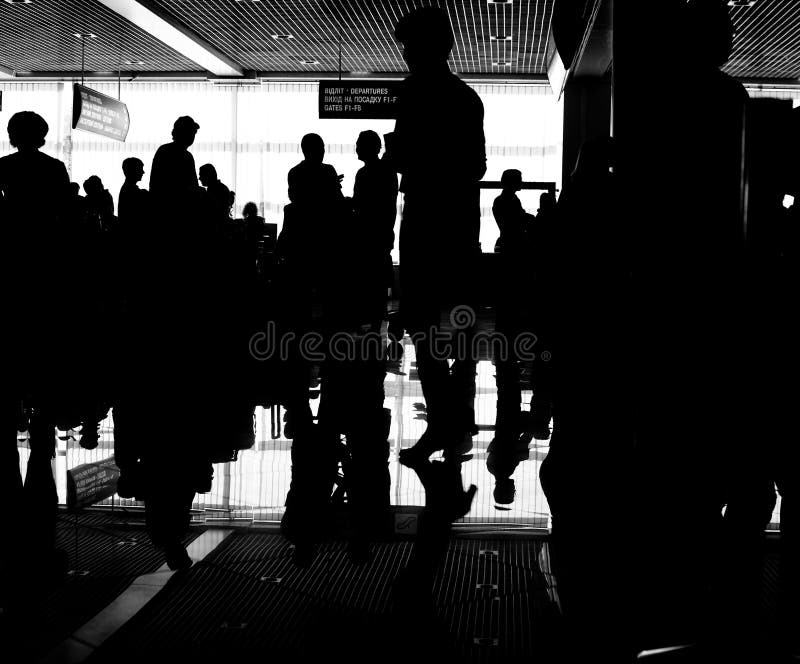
177, 557
127, 485
504, 491
90, 437
429, 443
540, 430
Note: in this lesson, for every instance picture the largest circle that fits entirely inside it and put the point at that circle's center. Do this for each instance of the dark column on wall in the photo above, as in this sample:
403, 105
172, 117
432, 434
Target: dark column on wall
587, 115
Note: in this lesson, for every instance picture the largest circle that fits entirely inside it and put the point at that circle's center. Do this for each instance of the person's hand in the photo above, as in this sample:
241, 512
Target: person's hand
340, 178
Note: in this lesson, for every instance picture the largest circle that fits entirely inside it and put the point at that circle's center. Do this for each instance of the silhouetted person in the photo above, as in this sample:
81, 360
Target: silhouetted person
173, 174
354, 306
438, 147
37, 355
167, 376
133, 200
375, 207
101, 248
585, 292
540, 239
512, 310
136, 231
219, 196
684, 342
750, 498
511, 218
254, 230
309, 228
99, 203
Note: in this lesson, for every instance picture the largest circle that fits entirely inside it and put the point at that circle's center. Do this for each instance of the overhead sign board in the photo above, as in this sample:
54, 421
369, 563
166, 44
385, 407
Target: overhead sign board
95, 112
361, 99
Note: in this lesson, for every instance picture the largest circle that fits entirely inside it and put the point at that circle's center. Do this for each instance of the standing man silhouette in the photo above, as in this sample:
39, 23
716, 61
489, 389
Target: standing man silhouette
438, 147
374, 211
36, 355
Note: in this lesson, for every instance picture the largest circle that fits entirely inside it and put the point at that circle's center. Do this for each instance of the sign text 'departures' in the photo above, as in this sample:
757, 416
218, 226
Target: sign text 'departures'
374, 100
95, 112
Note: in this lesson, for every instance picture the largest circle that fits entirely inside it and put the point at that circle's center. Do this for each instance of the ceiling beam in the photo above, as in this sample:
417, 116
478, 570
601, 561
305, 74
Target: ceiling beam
167, 29
5, 72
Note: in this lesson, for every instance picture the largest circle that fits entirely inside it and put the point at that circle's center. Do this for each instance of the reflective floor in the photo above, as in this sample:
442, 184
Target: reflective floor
255, 486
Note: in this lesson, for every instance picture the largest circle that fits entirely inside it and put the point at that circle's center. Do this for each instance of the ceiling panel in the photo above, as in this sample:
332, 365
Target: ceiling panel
40, 36
767, 43
243, 29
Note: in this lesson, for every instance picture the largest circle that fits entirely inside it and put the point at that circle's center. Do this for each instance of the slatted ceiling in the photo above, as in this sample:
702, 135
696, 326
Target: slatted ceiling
40, 37
767, 43
243, 29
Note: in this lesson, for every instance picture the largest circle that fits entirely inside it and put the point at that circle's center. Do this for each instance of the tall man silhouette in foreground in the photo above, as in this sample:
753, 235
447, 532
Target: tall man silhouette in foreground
438, 147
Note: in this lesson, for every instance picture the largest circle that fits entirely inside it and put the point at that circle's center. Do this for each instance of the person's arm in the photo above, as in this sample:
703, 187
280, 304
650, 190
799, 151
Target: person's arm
498, 212
477, 146
155, 172
292, 181
394, 155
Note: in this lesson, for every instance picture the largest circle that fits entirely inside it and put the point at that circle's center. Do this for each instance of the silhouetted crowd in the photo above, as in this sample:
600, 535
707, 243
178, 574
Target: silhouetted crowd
158, 312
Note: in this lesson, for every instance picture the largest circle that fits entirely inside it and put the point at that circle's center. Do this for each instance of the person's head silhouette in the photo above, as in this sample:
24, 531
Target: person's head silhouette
27, 130
93, 185
208, 175
250, 210
184, 131
133, 169
511, 180
313, 148
547, 202
710, 32
368, 146
75, 189
427, 38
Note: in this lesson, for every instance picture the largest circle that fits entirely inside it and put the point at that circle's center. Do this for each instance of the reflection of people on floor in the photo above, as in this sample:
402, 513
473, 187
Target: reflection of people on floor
352, 374
445, 502
438, 147
503, 457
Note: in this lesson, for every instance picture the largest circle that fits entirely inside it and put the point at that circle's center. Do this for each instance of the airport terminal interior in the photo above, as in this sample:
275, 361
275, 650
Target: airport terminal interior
589, 203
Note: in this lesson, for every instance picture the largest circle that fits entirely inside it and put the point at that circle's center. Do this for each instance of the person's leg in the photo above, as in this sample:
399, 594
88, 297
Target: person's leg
788, 481
126, 453
11, 479
509, 394
367, 473
168, 503
40, 486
